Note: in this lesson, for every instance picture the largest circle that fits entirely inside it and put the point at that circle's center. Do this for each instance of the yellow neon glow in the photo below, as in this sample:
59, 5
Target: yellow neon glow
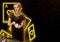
3, 31
9, 11
33, 32
10, 28
2, 34
27, 26
3, 10
6, 6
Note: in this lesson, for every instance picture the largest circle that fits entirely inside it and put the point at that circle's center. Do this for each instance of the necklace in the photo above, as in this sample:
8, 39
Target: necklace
17, 15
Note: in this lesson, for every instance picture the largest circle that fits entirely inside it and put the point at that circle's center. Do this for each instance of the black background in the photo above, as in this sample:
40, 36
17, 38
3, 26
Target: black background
45, 14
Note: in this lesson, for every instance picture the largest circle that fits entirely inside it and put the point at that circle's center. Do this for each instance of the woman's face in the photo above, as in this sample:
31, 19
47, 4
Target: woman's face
16, 8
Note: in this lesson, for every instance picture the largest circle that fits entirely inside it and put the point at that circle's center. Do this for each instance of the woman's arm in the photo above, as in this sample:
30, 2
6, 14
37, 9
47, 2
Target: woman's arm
22, 23
9, 22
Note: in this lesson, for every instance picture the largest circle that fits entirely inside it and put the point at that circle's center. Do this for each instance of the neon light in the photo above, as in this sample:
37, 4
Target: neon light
32, 32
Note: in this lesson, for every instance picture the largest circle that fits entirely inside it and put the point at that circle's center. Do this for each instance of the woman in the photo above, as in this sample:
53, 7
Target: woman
17, 21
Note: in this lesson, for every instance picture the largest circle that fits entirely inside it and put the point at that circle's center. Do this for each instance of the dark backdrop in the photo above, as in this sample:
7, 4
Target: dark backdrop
45, 14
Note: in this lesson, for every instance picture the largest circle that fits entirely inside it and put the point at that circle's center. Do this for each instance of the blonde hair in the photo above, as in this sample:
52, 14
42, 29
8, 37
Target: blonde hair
19, 4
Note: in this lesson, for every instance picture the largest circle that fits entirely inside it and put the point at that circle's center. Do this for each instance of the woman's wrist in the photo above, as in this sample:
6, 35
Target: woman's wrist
19, 26
10, 24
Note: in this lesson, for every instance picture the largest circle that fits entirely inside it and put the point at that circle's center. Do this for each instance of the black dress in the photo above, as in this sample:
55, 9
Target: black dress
17, 33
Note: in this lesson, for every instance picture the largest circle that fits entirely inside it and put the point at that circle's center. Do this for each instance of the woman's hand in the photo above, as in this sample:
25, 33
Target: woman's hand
16, 25
13, 23
19, 26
